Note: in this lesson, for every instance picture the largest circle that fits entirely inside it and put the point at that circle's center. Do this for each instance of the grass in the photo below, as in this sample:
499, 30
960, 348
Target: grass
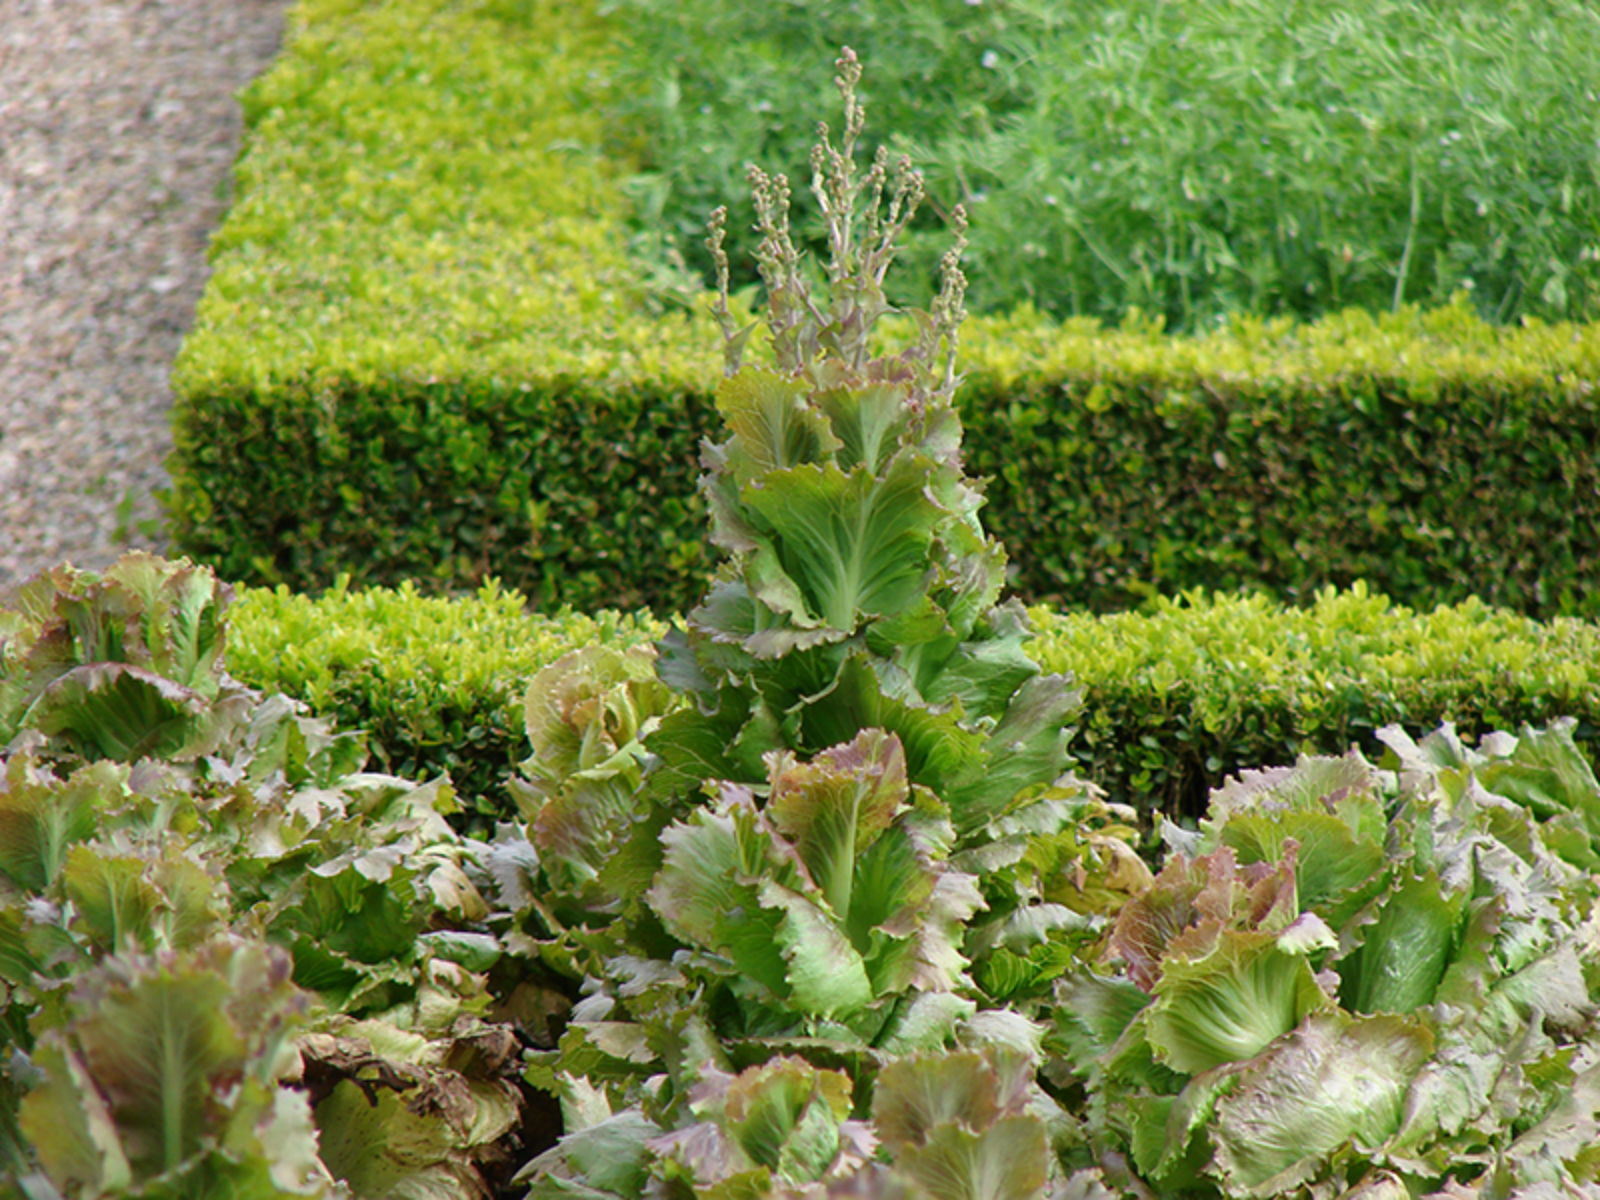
1191, 160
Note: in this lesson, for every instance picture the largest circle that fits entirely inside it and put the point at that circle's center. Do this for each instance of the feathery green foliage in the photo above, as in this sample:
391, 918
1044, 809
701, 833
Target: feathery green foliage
1195, 161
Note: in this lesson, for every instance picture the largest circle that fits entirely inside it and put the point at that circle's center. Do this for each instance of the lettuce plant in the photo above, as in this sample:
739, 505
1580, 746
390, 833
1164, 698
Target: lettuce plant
161, 1078
1382, 977
180, 897
766, 863
123, 665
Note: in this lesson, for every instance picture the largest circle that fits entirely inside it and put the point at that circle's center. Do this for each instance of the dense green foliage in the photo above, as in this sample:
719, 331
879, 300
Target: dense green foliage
1194, 160
241, 966
1176, 699
427, 354
800, 900
232, 963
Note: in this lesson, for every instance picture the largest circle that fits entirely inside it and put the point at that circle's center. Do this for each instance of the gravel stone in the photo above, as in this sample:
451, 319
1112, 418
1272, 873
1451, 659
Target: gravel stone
118, 131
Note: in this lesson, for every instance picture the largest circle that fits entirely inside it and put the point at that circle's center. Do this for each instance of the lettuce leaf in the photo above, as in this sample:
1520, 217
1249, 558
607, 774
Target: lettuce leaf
1336, 1080
170, 1064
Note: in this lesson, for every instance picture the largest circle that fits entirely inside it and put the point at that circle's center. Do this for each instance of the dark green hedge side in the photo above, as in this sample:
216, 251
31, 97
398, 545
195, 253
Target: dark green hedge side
570, 497
1176, 700
1430, 456
1432, 481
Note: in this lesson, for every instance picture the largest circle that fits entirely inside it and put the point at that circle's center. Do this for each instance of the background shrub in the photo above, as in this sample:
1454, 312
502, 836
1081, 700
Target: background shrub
437, 683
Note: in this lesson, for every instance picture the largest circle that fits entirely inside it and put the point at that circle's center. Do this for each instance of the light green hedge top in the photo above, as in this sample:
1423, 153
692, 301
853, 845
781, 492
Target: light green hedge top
423, 193
1175, 698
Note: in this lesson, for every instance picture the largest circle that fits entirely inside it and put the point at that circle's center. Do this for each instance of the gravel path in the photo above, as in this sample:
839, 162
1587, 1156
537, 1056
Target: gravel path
118, 131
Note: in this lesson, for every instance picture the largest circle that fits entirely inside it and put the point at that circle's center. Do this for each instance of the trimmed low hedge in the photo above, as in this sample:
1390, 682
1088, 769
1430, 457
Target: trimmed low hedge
425, 353
436, 683
1430, 455
1201, 687
1176, 699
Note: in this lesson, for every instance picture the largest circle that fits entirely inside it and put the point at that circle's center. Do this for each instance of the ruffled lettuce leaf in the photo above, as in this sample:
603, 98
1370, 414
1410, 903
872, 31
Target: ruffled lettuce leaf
168, 1067
120, 665
1335, 1081
959, 1126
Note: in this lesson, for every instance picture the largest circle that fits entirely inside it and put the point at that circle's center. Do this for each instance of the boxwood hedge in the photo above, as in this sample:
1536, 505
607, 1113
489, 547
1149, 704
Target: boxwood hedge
1175, 699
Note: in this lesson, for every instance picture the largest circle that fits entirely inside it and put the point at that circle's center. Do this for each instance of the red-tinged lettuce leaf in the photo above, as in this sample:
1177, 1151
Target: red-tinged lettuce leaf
928, 1022
112, 710
868, 422
418, 1144
1167, 1131
1229, 1003
368, 875
1332, 808
835, 806
1336, 870
957, 1126
343, 983
1439, 751
1336, 1081
695, 744
825, 974
1192, 901
173, 1057
839, 892
941, 750
369, 908
42, 816
1348, 787
1026, 749
1483, 1085
180, 609
1010, 1160
971, 651
913, 908
775, 425
1549, 775
708, 892
116, 666
1092, 1014
606, 1160
971, 1088
855, 545
785, 1116
142, 900
587, 708
1561, 1152
1057, 870
77, 1141
579, 833
1542, 771
282, 744
776, 1126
